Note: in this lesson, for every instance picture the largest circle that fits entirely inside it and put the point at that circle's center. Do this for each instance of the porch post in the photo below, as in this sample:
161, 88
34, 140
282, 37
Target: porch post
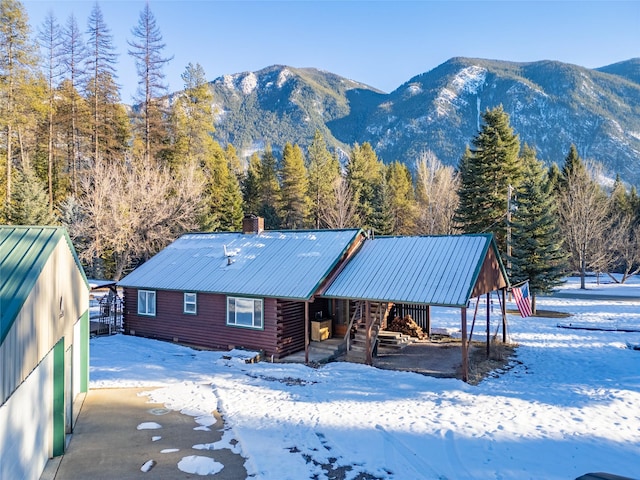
429, 321
465, 359
488, 325
367, 322
306, 332
504, 315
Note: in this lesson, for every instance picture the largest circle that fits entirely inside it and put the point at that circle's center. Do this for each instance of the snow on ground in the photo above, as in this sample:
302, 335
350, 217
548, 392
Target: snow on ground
568, 404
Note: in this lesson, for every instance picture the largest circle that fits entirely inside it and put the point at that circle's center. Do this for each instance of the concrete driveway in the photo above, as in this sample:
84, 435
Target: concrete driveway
112, 439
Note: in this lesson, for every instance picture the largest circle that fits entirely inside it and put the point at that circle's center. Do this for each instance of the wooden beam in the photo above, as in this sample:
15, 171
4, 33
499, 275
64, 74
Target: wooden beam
488, 325
465, 356
504, 315
428, 321
306, 332
367, 322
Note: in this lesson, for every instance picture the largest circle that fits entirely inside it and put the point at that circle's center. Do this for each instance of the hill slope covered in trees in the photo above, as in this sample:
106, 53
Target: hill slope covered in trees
551, 105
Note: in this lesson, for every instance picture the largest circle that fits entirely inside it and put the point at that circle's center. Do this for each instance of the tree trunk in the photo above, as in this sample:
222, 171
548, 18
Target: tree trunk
583, 272
9, 165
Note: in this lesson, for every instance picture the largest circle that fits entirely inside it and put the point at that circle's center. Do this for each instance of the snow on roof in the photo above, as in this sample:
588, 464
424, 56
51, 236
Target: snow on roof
434, 270
278, 264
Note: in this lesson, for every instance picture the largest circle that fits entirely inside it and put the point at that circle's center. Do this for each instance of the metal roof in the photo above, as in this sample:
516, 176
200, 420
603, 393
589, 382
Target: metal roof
279, 264
24, 251
433, 270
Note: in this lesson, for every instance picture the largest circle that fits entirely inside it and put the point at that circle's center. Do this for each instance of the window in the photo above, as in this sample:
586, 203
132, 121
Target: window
190, 303
146, 302
244, 312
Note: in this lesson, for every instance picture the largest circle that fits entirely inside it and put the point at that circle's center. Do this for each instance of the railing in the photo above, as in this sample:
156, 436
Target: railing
357, 313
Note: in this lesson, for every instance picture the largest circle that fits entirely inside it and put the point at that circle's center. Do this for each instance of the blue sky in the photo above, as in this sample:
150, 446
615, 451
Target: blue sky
380, 43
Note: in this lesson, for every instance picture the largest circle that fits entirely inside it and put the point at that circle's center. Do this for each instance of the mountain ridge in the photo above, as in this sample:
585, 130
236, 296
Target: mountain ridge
551, 104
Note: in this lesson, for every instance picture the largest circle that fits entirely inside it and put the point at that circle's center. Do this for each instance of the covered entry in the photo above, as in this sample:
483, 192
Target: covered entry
422, 272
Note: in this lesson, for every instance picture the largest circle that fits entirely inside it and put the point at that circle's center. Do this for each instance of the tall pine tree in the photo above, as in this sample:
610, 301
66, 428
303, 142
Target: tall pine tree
364, 177
487, 171
323, 170
146, 49
536, 247
294, 184
269, 189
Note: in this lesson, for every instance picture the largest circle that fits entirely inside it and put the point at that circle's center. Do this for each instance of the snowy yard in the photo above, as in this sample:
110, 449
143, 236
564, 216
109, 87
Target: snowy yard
568, 404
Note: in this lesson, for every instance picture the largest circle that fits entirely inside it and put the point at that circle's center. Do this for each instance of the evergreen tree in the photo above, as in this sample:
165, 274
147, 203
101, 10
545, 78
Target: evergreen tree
29, 203
488, 170
250, 189
50, 41
294, 203
401, 199
74, 58
146, 49
364, 177
235, 164
17, 59
382, 216
323, 170
102, 90
536, 247
268, 190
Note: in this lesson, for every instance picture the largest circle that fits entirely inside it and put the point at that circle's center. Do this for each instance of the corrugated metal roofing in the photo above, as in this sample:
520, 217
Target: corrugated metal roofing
279, 264
24, 251
433, 270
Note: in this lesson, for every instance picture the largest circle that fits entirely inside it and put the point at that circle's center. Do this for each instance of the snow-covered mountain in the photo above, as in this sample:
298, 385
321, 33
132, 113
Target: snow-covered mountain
551, 104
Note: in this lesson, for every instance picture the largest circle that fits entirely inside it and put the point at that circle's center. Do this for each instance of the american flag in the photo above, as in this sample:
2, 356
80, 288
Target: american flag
523, 299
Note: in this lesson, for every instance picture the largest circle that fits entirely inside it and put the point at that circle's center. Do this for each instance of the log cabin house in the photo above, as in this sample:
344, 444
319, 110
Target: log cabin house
254, 289
275, 291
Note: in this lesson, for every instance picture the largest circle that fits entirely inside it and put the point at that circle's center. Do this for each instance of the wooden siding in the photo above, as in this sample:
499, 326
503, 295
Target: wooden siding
490, 277
290, 328
206, 329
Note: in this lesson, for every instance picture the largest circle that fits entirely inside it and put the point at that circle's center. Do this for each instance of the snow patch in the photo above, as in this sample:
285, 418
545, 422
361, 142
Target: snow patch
468, 81
148, 465
283, 76
149, 426
414, 89
249, 83
200, 465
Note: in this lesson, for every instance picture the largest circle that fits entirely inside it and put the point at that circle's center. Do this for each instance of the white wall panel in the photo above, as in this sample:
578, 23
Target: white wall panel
26, 419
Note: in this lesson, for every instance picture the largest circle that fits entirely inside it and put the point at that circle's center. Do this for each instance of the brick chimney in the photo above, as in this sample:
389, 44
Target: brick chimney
252, 224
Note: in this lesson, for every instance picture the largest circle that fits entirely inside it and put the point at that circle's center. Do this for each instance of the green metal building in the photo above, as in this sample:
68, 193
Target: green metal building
44, 346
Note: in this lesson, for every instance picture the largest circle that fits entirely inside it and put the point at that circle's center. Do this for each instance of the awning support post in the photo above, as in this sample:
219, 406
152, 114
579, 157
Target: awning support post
465, 356
306, 332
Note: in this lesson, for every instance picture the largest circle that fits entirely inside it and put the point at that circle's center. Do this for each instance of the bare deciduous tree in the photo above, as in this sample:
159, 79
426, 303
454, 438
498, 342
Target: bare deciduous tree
585, 221
436, 191
341, 213
128, 213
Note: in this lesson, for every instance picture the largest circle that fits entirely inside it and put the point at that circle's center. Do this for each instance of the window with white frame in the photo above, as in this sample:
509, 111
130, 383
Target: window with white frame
146, 302
245, 312
190, 303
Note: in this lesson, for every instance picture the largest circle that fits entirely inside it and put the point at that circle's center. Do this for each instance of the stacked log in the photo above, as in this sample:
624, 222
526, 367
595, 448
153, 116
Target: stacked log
407, 326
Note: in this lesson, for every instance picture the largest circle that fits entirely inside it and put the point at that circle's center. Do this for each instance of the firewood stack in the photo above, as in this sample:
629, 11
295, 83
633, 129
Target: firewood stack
406, 326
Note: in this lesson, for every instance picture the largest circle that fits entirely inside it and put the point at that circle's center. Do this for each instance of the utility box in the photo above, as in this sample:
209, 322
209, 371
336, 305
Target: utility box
320, 330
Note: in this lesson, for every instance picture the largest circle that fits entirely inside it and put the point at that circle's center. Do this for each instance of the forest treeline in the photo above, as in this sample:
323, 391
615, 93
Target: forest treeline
128, 181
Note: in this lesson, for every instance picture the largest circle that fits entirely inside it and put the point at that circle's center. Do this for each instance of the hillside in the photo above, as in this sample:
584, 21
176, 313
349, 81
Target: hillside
551, 104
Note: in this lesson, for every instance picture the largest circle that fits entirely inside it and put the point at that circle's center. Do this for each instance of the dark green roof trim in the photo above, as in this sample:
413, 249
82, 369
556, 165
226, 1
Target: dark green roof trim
24, 251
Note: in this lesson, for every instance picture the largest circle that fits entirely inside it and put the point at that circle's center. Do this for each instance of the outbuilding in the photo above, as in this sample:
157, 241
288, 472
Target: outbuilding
44, 346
